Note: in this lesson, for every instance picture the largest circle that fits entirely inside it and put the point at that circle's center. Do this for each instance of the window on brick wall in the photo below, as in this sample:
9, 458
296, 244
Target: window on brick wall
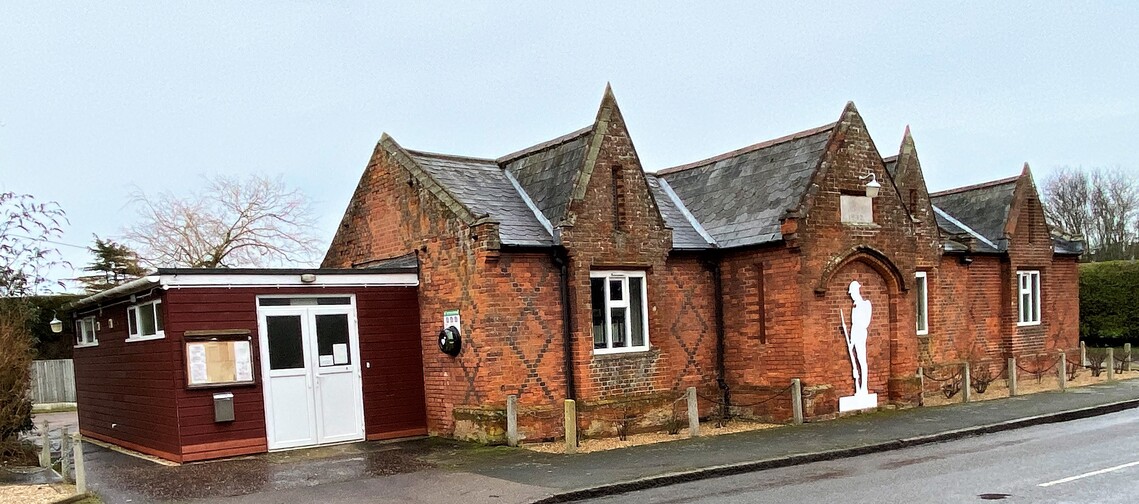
1028, 300
620, 320
921, 298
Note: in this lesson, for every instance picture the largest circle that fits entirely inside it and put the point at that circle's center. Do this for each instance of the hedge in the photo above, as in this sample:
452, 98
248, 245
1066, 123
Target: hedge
1109, 302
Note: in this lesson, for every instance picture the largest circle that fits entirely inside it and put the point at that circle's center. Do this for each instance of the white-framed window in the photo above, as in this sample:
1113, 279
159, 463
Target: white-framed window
85, 332
144, 321
921, 294
1028, 299
620, 317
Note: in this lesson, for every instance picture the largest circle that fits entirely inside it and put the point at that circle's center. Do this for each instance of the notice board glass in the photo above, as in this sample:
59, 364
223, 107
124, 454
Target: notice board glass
218, 358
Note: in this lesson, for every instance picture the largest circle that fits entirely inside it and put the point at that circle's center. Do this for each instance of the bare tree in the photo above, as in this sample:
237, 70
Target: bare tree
254, 222
1066, 198
1114, 199
1100, 204
26, 254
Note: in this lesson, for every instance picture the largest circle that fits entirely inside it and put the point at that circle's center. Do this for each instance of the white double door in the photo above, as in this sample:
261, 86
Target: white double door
310, 373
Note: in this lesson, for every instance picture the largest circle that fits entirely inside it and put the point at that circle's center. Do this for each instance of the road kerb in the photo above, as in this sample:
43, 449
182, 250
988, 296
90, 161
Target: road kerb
806, 458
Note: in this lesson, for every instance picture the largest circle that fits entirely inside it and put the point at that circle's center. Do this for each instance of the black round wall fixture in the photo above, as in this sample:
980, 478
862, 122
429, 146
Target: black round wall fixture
450, 342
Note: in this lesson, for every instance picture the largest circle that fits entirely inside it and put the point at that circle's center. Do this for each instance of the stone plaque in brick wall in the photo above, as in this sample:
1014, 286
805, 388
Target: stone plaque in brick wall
857, 209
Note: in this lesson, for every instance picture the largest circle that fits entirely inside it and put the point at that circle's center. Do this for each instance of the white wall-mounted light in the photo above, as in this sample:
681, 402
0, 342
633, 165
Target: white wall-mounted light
56, 324
873, 186
308, 278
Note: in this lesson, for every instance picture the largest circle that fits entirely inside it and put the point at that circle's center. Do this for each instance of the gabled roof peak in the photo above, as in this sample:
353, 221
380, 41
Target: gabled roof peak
750, 148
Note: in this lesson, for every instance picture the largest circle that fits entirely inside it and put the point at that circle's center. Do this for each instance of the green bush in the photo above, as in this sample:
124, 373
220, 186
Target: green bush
1109, 301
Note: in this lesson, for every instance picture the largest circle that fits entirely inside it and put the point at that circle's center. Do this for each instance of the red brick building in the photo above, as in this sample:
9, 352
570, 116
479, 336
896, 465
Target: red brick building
576, 274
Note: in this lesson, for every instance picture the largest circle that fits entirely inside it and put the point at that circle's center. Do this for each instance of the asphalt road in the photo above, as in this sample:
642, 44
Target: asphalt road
1095, 460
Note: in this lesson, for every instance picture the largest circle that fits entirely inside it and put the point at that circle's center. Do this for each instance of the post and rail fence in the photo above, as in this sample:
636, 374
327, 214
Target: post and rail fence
691, 408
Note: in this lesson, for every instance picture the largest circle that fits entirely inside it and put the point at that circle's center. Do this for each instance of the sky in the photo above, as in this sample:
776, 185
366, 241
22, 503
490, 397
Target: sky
99, 98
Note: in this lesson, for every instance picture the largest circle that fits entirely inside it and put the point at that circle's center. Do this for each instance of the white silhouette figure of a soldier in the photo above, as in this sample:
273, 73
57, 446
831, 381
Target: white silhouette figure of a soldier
856, 337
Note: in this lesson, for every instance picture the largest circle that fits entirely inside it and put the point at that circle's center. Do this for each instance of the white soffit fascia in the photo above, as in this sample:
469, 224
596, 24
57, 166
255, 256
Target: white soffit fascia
290, 280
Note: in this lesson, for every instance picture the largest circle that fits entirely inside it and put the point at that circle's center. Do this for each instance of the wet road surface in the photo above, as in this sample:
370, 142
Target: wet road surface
1092, 460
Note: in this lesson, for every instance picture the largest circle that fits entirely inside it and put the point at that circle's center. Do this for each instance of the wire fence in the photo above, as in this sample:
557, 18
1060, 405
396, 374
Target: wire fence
62, 456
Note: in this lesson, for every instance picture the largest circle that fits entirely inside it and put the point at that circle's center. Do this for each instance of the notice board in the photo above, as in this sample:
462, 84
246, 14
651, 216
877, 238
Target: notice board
218, 358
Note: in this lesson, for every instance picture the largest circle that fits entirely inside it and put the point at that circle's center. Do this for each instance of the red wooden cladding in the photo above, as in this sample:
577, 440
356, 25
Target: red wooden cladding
125, 391
141, 386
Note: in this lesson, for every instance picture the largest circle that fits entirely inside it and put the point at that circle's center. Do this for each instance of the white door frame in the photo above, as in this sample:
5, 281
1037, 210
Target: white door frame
311, 370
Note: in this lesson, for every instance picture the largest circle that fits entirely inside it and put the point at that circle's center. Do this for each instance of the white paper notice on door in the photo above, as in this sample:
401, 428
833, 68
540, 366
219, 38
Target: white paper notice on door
325, 360
340, 353
197, 363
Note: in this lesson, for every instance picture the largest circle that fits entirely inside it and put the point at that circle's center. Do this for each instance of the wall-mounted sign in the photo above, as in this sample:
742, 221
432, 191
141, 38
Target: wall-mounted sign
856, 209
451, 319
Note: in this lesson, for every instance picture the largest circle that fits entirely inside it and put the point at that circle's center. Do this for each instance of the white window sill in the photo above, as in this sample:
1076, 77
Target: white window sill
85, 345
1027, 324
145, 338
923, 333
618, 351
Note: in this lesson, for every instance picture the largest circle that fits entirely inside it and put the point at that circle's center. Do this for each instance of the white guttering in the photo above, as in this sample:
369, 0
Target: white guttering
189, 281
684, 211
135, 285
238, 280
962, 225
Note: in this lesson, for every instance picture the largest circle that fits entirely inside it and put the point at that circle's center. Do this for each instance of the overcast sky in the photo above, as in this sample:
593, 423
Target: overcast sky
98, 97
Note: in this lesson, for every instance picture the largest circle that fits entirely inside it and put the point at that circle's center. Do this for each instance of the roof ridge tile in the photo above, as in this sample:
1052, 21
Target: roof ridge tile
751, 148
982, 185
544, 145
449, 156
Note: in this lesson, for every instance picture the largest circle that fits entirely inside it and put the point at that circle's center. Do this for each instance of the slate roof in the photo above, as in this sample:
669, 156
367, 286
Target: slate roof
483, 187
405, 262
687, 233
1067, 245
547, 171
983, 208
955, 232
891, 165
740, 197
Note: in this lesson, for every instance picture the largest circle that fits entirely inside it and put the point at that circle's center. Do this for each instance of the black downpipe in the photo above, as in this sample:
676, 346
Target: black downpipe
721, 380
561, 259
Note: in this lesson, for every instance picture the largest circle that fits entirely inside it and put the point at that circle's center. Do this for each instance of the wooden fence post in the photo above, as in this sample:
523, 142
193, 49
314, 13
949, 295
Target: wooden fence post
1063, 371
512, 420
966, 381
1110, 364
64, 454
1012, 377
797, 401
571, 426
921, 385
80, 467
1127, 357
693, 412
